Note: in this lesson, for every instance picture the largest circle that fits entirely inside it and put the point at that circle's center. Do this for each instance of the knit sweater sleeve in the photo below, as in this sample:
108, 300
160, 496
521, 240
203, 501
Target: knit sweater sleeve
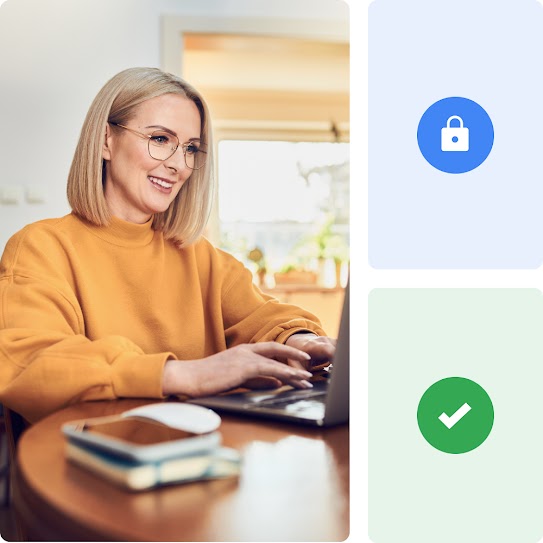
251, 316
46, 361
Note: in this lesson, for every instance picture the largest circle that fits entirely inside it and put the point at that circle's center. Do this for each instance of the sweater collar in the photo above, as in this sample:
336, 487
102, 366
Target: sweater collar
124, 233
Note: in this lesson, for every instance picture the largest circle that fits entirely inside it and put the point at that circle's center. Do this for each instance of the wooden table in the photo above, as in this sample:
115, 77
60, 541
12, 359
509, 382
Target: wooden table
294, 487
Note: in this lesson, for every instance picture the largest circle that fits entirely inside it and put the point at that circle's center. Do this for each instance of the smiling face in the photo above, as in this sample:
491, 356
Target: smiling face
136, 185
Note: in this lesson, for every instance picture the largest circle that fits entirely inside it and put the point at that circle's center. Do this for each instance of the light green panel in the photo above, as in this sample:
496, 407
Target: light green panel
418, 494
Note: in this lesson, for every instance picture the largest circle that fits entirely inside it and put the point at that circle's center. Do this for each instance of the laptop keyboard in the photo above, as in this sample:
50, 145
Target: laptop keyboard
281, 401
302, 403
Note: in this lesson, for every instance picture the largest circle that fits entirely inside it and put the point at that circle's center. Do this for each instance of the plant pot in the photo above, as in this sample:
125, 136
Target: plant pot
296, 277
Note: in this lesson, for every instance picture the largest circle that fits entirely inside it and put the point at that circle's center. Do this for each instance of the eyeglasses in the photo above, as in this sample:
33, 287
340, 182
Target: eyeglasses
162, 145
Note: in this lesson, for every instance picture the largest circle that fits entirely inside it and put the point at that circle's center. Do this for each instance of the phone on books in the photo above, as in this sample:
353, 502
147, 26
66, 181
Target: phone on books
138, 438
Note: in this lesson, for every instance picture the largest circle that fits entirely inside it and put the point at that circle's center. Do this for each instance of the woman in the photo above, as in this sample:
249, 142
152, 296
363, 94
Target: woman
124, 297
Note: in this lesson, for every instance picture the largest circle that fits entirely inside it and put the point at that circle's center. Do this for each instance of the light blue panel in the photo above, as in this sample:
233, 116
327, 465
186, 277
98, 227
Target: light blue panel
490, 52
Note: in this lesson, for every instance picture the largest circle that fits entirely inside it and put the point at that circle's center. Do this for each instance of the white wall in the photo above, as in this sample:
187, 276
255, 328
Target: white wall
54, 57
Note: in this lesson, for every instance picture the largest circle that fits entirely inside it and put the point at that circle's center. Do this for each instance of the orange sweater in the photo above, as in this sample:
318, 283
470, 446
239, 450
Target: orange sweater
90, 313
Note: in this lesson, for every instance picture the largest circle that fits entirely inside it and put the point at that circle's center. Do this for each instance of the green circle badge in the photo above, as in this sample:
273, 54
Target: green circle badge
455, 415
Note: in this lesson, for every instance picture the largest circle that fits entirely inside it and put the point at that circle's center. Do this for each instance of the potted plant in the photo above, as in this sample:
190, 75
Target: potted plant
337, 251
295, 275
256, 255
326, 244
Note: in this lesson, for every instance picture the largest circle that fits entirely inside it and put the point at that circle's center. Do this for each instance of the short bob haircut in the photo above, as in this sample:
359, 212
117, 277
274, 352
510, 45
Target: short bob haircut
184, 221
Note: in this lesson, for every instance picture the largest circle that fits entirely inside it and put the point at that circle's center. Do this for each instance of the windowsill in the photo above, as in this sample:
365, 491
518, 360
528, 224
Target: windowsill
288, 289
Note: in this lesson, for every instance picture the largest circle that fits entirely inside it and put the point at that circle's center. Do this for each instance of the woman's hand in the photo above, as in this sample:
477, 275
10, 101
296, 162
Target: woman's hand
252, 365
321, 350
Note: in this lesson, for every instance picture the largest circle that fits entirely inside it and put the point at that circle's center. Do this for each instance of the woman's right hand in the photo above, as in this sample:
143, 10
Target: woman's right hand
248, 364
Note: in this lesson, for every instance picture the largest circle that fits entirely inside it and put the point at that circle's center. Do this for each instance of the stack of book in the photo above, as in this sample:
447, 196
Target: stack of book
152, 446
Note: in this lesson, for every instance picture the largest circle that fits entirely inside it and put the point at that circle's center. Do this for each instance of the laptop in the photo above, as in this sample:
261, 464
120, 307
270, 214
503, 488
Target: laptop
326, 404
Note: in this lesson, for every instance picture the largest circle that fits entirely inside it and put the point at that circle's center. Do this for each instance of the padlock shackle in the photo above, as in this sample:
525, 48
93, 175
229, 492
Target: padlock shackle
455, 117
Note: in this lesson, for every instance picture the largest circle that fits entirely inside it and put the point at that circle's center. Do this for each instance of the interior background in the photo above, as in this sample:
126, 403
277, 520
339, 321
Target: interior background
57, 54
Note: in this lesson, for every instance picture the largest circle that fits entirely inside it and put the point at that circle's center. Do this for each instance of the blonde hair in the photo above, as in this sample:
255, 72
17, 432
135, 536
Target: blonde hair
185, 219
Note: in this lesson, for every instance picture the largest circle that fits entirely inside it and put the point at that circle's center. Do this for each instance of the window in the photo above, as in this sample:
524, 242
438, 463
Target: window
289, 200
280, 109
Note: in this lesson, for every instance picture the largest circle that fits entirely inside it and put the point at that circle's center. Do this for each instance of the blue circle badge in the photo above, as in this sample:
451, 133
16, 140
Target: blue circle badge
455, 135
